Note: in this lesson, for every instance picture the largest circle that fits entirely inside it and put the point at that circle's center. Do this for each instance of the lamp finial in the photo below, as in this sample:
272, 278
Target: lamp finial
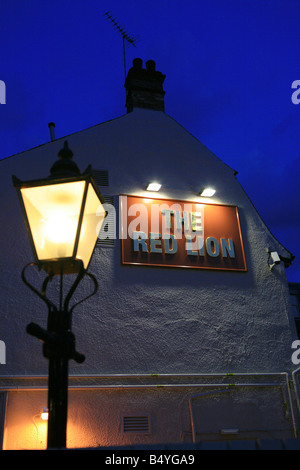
65, 152
64, 167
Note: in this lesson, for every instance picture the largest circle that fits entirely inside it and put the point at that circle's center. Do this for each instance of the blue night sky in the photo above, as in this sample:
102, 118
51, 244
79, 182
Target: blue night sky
229, 67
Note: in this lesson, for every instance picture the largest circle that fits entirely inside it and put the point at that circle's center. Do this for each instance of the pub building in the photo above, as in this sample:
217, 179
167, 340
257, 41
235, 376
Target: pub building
189, 336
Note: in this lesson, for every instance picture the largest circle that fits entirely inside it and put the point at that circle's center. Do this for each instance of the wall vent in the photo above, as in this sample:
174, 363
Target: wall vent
101, 177
107, 234
136, 424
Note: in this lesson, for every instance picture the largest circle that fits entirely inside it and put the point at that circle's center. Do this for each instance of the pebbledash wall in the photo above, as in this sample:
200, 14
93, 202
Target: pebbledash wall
173, 354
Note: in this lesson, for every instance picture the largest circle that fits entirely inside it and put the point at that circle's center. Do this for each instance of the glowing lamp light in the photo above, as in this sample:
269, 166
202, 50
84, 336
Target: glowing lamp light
45, 414
207, 192
153, 187
63, 215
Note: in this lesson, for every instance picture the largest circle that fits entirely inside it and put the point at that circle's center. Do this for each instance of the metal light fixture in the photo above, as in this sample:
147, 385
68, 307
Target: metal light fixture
273, 258
207, 192
45, 414
153, 186
63, 215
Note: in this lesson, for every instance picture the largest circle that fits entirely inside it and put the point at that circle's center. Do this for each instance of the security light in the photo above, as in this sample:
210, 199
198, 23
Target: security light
207, 192
273, 258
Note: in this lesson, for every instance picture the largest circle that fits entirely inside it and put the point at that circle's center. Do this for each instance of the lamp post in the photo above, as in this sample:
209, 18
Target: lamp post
63, 215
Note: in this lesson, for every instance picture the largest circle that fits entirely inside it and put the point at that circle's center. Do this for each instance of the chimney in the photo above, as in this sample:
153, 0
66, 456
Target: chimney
144, 87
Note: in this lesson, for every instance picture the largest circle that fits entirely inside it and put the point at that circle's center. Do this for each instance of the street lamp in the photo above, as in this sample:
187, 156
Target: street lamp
63, 215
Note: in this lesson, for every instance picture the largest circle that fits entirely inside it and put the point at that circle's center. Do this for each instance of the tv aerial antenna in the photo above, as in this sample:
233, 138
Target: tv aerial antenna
125, 36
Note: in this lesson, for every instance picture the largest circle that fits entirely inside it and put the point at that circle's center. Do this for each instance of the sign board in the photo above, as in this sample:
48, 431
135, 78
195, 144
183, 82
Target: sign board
169, 233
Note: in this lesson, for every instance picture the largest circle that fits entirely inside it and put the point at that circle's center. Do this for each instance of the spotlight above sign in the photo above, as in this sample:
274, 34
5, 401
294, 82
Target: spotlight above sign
207, 192
153, 187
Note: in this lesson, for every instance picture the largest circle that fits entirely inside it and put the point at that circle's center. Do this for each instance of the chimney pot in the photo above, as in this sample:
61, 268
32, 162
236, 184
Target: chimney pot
150, 65
137, 64
144, 87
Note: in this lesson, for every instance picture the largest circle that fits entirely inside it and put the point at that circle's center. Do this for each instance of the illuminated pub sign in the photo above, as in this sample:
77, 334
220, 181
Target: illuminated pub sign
161, 232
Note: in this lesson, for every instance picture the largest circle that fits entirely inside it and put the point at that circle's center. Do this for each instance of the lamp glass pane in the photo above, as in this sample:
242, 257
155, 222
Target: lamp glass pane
94, 214
53, 213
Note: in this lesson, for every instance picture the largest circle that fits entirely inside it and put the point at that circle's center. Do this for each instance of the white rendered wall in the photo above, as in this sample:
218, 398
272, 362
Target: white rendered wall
150, 320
